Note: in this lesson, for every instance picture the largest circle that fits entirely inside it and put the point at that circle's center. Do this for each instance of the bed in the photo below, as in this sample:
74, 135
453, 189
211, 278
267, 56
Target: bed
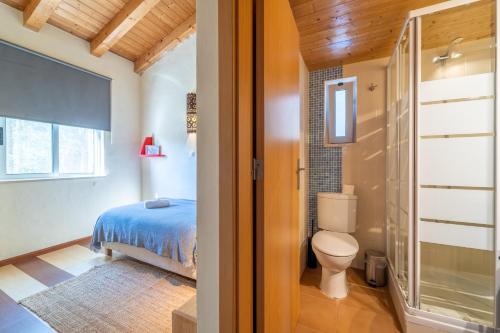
163, 237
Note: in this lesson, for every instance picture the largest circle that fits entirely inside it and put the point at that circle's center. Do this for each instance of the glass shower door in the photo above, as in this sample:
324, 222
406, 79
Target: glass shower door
404, 157
392, 164
455, 178
398, 149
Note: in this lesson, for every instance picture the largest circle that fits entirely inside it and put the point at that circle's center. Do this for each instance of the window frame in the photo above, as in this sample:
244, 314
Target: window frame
349, 84
99, 157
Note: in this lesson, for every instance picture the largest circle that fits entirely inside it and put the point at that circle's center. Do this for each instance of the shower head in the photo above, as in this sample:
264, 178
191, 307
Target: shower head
449, 53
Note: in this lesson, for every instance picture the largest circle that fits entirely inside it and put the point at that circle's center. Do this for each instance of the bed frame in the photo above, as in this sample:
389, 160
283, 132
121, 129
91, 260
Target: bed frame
149, 258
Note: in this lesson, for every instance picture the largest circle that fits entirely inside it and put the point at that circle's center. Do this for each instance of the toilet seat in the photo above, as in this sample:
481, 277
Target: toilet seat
337, 244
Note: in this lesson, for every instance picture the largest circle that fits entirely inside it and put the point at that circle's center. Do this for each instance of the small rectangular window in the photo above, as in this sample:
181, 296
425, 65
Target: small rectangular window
340, 111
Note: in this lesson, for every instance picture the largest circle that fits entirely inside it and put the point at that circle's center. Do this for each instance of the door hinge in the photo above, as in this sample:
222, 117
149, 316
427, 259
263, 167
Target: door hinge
257, 169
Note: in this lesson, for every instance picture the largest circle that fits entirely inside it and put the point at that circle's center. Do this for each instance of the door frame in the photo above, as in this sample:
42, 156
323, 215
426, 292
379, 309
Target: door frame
236, 207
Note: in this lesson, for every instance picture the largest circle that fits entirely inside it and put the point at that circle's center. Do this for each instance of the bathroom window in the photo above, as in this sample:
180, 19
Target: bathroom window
340, 111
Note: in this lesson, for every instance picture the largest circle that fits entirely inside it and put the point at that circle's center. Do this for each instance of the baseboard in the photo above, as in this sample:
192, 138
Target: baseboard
23, 257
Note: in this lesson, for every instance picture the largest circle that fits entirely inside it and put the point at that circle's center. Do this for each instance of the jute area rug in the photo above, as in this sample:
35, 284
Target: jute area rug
122, 296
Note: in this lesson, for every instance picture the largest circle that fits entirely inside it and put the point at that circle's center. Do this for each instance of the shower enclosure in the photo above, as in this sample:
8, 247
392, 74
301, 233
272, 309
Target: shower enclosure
441, 202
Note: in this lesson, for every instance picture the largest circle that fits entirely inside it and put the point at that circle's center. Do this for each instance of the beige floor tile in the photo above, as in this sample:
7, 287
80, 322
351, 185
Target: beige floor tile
368, 299
305, 329
356, 276
365, 309
311, 276
318, 313
309, 284
17, 284
75, 259
312, 289
355, 319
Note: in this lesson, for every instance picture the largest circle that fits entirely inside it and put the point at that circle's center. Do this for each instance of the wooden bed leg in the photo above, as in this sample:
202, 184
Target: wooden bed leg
109, 252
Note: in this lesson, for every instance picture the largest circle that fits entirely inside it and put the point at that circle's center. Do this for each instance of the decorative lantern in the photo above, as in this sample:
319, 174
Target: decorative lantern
191, 116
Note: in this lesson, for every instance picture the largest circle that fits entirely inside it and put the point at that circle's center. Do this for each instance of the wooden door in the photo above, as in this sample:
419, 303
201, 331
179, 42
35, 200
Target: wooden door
277, 145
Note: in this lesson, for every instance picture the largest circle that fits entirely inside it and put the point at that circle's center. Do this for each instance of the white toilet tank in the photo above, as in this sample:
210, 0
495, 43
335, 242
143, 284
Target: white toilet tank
337, 211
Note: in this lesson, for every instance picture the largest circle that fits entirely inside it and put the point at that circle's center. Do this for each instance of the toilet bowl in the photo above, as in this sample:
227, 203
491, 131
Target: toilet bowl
335, 252
334, 248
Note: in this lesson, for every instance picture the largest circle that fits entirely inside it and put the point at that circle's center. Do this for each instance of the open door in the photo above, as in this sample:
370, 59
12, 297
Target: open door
277, 146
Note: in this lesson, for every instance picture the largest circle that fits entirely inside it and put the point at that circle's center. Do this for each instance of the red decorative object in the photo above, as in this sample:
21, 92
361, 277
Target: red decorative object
148, 141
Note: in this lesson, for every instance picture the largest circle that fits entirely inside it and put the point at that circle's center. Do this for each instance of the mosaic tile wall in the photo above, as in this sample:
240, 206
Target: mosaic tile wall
325, 164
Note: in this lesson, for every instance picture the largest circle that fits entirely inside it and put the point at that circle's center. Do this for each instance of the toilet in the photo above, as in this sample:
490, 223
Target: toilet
333, 246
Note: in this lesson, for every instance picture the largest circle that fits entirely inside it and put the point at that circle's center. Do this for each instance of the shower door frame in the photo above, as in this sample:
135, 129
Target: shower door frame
410, 24
496, 169
411, 305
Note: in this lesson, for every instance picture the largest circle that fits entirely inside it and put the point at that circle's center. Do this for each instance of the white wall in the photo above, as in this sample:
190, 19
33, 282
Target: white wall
363, 163
164, 89
207, 70
36, 215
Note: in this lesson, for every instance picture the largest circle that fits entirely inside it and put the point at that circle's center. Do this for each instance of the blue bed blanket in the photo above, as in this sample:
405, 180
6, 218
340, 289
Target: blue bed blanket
169, 232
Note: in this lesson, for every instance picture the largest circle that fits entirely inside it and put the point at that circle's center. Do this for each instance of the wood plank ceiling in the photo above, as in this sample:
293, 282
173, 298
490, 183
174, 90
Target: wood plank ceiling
439, 29
335, 32
332, 32
138, 30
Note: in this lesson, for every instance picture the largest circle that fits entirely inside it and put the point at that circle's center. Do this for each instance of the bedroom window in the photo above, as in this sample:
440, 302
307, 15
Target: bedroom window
79, 150
31, 149
28, 147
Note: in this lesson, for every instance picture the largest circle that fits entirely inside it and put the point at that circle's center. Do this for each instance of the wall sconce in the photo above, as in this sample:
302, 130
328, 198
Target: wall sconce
191, 116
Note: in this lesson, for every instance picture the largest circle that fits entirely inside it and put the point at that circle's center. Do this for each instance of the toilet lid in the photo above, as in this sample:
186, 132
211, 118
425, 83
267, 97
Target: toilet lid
336, 244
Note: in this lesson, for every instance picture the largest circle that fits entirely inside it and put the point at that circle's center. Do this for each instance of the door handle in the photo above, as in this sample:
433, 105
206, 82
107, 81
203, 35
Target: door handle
298, 170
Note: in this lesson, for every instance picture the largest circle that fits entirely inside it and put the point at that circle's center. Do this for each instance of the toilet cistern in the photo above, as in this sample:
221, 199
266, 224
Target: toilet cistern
333, 246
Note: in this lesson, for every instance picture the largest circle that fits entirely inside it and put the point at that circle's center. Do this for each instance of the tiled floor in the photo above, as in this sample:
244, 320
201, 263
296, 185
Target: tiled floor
365, 309
35, 274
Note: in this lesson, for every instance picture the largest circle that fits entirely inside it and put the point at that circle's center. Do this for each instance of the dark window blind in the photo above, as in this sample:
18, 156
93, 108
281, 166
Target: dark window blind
39, 88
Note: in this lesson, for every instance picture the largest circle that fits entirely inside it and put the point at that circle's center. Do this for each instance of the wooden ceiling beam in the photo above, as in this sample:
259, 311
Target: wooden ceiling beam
184, 30
125, 20
37, 12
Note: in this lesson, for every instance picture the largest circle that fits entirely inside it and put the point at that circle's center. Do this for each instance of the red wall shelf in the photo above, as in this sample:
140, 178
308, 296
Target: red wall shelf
158, 155
148, 141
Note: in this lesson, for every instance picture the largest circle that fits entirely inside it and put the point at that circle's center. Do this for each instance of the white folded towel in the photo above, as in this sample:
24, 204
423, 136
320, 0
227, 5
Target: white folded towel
157, 203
